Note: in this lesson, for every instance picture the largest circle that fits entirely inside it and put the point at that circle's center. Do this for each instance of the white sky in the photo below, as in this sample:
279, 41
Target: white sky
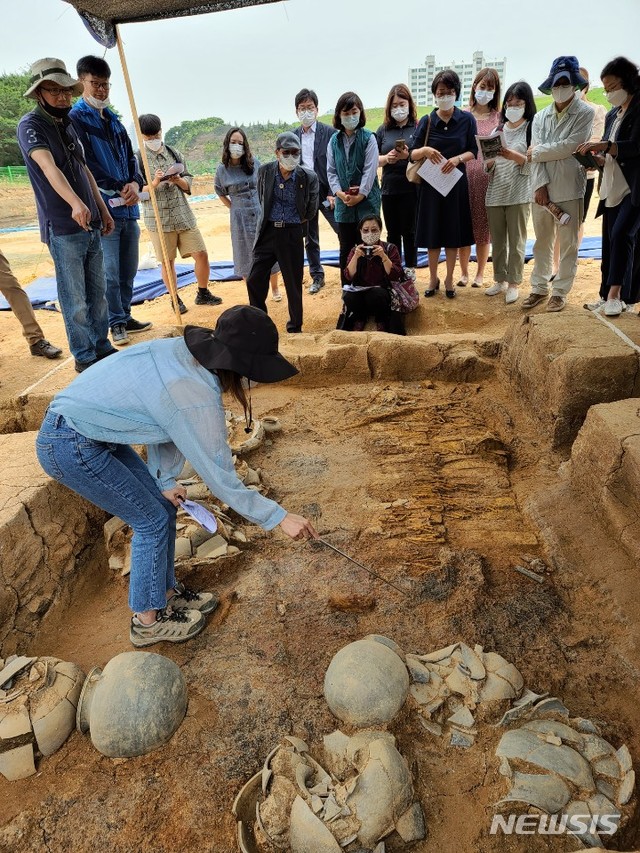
247, 64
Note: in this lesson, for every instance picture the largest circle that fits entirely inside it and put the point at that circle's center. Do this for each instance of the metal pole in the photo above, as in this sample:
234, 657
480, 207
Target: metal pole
168, 265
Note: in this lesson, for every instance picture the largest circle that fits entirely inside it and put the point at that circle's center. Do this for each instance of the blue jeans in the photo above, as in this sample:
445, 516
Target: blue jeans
81, 292
120, 250
114, 477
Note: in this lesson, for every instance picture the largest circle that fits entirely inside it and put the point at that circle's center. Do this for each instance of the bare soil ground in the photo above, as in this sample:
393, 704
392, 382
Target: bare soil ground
464, 458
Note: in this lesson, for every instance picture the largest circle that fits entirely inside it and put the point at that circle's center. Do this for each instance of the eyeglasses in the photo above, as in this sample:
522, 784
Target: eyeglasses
101, 87
57, 92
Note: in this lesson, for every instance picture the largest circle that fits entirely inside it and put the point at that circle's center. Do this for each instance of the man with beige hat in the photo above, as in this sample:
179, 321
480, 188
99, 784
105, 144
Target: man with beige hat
71, 211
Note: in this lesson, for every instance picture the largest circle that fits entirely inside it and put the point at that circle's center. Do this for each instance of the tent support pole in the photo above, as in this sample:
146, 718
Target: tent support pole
168, 265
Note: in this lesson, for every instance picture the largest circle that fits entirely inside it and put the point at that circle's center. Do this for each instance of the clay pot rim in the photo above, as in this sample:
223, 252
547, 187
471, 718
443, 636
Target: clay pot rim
83, 711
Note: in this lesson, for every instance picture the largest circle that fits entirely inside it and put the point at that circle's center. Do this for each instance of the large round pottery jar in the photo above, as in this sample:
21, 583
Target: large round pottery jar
366, 683
133, 705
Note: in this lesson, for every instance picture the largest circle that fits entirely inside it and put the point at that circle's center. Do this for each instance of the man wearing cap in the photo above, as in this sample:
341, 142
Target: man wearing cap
557, 177
113, 164
21, 307
167, 394
314, 138
288, 195
71, 211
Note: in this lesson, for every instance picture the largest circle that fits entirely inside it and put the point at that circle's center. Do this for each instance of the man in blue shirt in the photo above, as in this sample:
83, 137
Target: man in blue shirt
111, 160
71, 211
288, 195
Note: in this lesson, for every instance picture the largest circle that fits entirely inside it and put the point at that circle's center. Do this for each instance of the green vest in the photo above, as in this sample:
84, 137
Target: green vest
349, 173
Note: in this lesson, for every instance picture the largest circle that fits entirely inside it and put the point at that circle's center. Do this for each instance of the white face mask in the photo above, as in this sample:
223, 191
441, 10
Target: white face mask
96, 103
236, 149
370, 238
560, 94
153, 144
350, 122
446, 102
617, 98
483, 96
306, 117
514, 114
289, 161
400, 113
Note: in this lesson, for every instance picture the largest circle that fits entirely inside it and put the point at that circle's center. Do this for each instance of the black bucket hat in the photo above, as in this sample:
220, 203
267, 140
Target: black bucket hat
564, 66
244, 340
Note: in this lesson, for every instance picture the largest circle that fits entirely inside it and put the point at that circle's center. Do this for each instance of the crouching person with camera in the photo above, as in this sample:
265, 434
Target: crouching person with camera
371, 268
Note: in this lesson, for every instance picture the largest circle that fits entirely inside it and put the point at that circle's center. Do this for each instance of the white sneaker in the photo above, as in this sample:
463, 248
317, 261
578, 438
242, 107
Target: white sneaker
495, 289
512, 295
593, 306
613, 307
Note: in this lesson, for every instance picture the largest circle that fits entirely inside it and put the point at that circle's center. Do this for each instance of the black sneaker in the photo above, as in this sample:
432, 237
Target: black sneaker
182, 307
204, 297
134, 326
119, 335
45, 349
83, 365
317, 284
101, 355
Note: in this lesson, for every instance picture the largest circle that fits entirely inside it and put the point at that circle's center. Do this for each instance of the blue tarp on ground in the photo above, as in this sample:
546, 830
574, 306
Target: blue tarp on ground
149, 285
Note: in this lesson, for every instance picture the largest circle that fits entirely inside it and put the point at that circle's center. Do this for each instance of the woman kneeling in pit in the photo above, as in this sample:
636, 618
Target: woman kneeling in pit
372, 266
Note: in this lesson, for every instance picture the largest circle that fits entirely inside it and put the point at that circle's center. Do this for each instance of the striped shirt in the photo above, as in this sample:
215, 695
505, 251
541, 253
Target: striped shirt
510, 183
175, 213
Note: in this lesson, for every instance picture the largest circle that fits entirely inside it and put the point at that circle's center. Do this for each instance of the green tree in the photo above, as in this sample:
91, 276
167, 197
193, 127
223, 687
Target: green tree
12, 107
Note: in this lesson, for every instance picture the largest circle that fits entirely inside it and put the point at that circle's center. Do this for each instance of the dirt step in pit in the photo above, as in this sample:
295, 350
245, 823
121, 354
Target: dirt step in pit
416, 480
563, 364
48, 536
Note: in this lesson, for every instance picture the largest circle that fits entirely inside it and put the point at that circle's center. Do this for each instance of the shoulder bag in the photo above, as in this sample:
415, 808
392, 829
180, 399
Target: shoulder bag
412, 169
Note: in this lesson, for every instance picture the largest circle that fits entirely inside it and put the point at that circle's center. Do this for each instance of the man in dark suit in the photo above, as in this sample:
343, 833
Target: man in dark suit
288, 194
314, 137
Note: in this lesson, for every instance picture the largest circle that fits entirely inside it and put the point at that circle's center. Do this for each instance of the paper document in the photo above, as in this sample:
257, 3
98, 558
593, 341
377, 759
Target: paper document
200, 514
171, 171
432, 173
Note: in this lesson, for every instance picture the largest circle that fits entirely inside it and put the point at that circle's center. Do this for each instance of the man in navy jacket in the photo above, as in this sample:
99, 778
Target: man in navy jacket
314, 138
288, 194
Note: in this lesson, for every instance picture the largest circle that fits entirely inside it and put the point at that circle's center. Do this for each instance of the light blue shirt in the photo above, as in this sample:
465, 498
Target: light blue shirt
156, 393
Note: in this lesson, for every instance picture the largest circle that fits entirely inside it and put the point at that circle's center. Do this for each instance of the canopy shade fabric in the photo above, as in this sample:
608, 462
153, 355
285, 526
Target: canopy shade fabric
101, 16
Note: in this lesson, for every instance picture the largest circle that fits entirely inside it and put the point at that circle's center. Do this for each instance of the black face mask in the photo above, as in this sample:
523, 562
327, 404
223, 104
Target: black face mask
56, 112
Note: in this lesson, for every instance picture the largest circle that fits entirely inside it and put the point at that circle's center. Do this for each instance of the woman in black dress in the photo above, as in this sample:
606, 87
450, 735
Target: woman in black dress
444, 221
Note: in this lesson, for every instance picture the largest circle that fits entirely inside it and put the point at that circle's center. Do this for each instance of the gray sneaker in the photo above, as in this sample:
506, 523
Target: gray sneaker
189, 599
171, 626
119, 334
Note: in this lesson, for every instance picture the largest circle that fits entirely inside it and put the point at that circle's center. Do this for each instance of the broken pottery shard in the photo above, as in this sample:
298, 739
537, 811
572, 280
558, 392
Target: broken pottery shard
542, 791
358, 745
17, 763
521, 707
303, 774
458, 683
13, 668
52, 729
563, 760
345, 842
317, 804
579, 810
418, 672
505, 768
624, 757
550, 705
411, 826
183, 547
600, 805
246, 839
472, 663
335, 751
432, 728
384, 792
366, 683
214, 547
607, 766
298, 744
626, 788
14, 723
424, 693
496, 689
596, 747
606, 788
586, 726
560, 730
440, 654
461, 739
331, 809
244, 805
462, 717
266, 775
307, 832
